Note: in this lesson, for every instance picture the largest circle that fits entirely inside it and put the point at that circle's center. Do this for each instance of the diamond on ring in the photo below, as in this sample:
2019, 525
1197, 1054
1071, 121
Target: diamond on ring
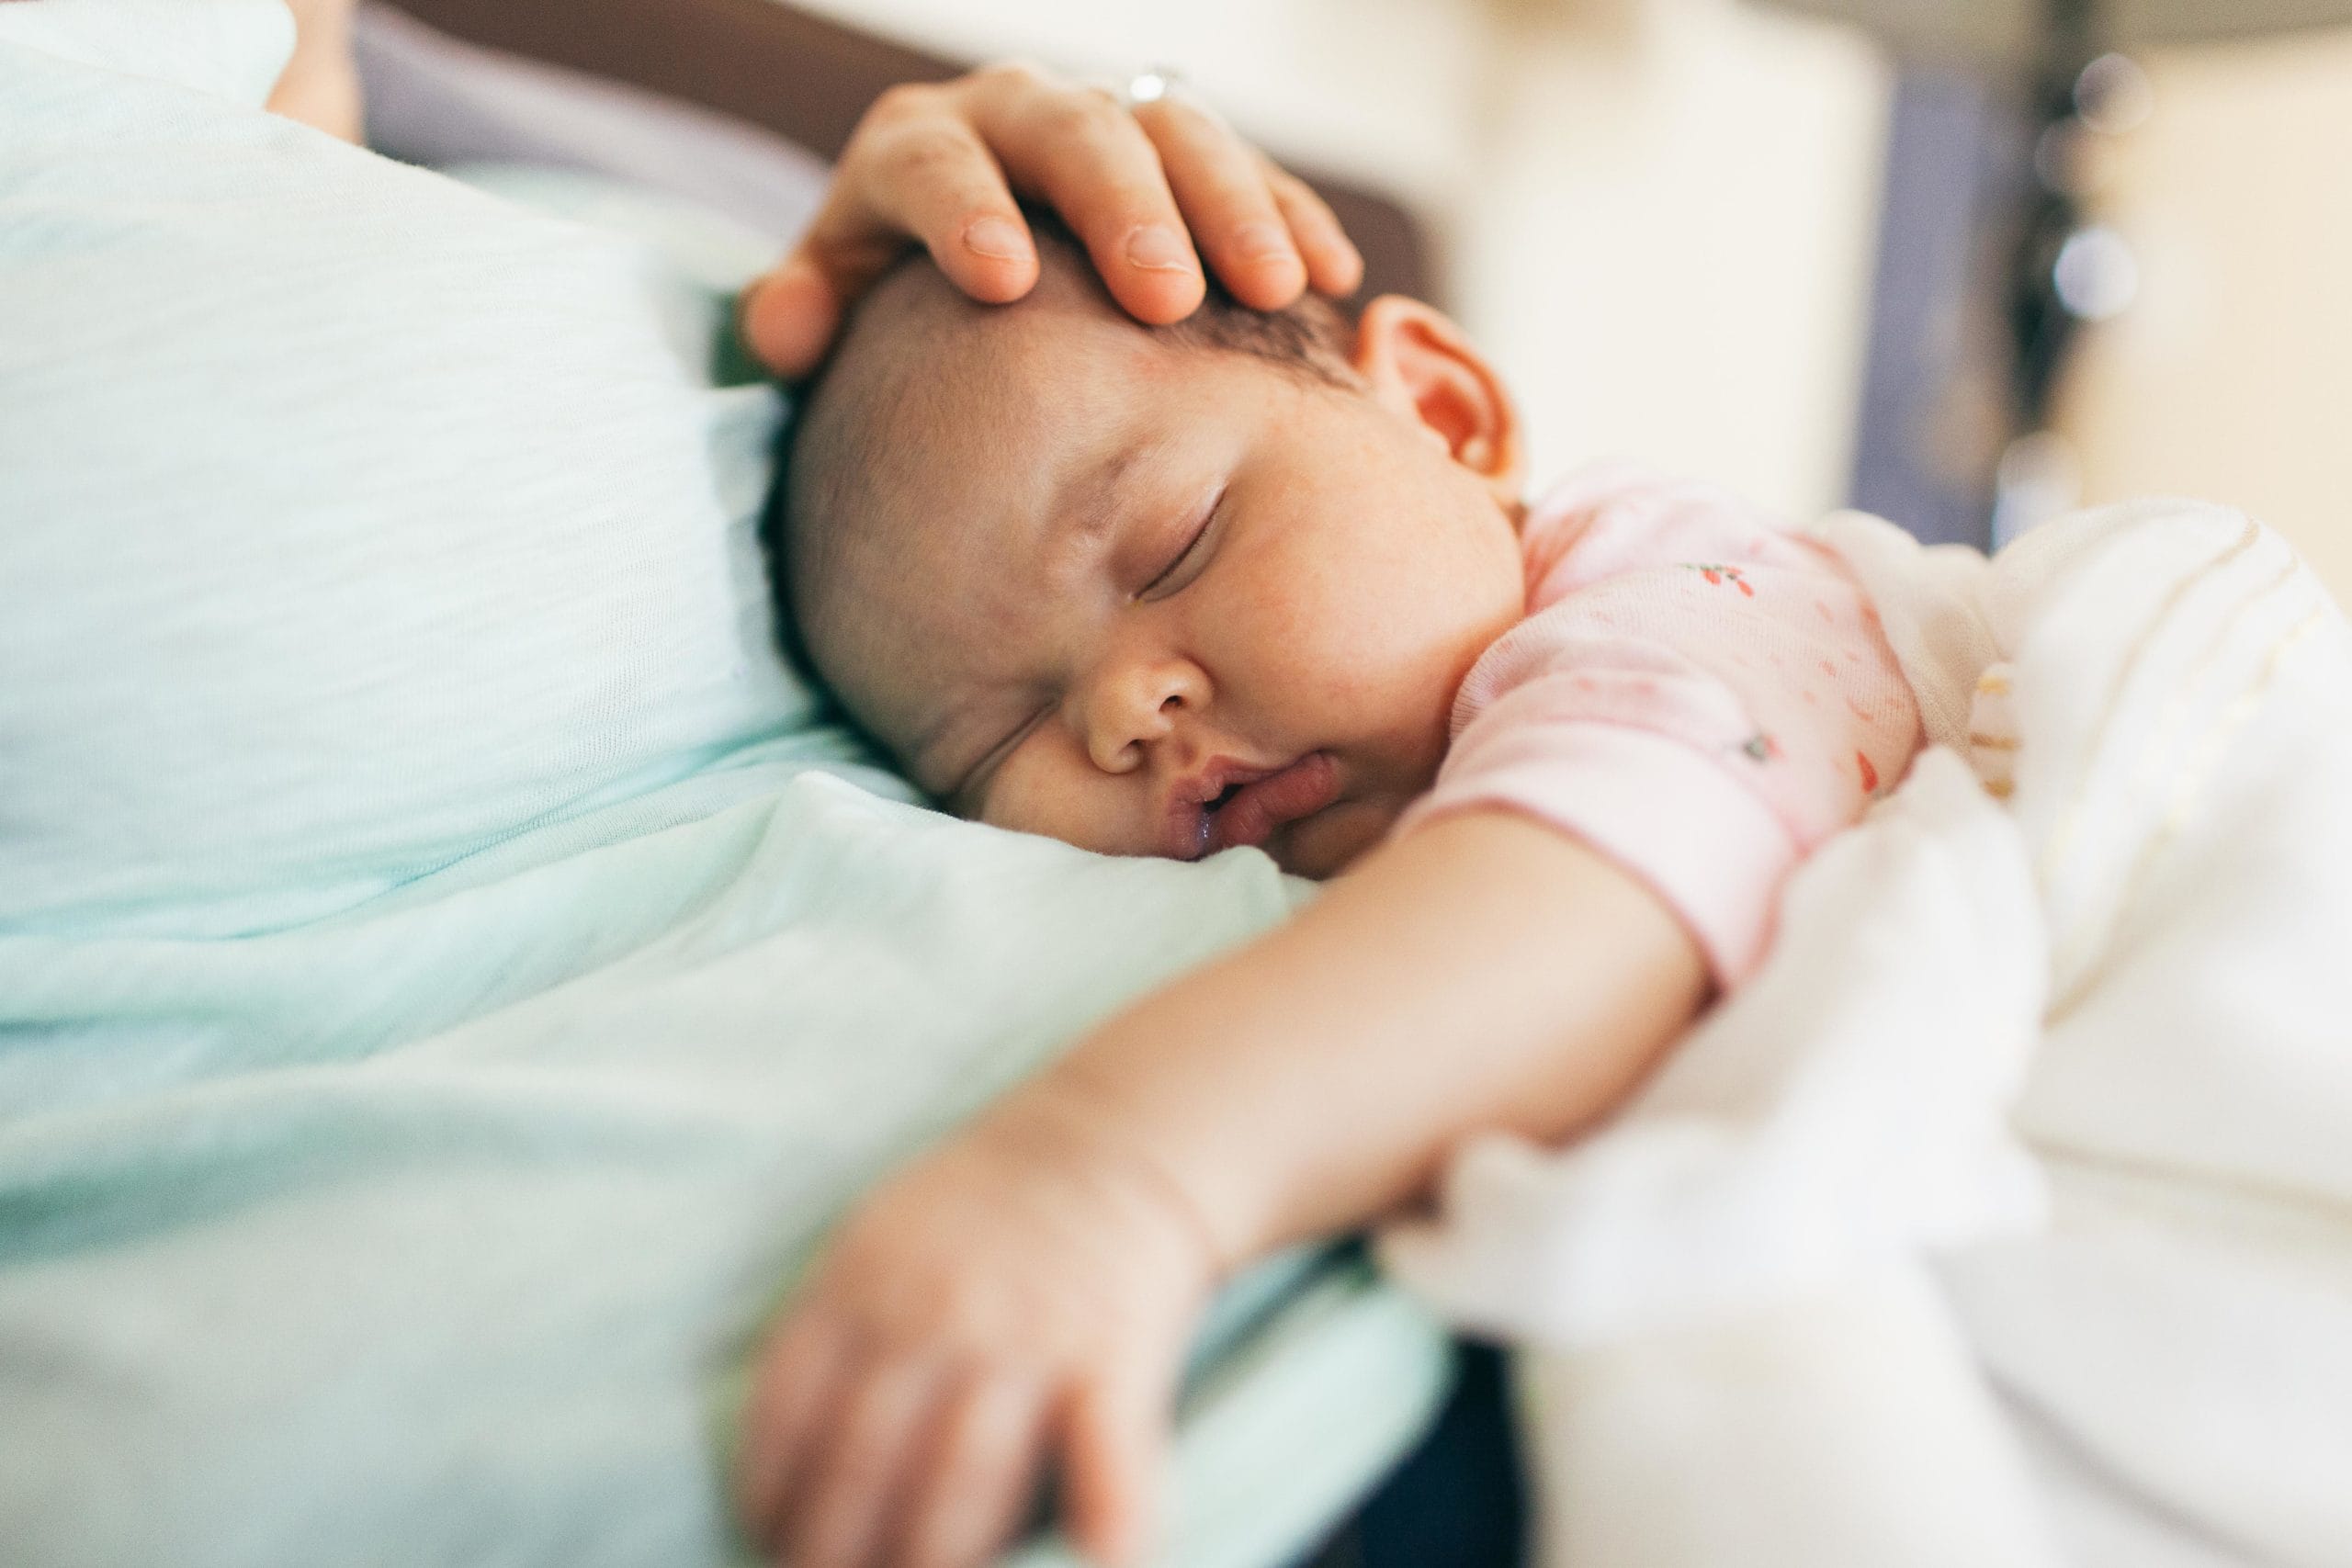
1149, 86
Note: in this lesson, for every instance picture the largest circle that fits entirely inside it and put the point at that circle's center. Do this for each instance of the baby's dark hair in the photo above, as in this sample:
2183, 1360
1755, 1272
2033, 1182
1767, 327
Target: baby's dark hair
826, 455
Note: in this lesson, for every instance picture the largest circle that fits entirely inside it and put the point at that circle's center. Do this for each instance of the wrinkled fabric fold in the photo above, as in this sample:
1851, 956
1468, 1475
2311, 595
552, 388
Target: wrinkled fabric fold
2006, 1215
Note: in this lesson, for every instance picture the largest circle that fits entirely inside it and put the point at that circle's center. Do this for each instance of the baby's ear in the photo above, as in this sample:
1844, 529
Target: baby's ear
1420, 365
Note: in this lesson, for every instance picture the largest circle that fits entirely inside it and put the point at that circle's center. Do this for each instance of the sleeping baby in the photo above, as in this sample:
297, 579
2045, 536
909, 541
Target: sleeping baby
1262, 580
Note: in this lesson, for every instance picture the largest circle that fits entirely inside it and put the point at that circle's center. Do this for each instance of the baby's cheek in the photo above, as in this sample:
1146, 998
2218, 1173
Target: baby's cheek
1366, 649
1332, 841
1280, 615
1046, 787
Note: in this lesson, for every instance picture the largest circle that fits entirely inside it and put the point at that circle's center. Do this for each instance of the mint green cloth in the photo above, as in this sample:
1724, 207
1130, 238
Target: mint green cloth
436, 1233
450, 974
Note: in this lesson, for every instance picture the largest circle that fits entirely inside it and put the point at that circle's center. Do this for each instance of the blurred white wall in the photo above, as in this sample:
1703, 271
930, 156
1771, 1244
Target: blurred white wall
1657, 215
1667, 237
2230, 374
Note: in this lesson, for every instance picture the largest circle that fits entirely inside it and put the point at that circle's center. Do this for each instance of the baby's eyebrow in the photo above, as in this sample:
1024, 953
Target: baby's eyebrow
1081, 507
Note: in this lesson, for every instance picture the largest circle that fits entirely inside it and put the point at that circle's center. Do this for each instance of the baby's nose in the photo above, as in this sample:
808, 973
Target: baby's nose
1144, 707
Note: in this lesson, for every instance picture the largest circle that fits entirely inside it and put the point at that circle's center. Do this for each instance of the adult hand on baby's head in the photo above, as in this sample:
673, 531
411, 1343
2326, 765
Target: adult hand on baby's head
1022, 1298
938, 165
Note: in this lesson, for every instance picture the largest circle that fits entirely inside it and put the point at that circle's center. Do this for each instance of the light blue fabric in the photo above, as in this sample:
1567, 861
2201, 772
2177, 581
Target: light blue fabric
354, 519
435, 1234
446, 981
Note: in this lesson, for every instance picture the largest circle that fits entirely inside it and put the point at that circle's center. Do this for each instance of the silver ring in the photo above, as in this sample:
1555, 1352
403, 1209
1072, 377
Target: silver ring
1148, 86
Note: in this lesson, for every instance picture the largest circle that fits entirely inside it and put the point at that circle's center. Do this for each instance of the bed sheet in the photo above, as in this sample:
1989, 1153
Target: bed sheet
421, 1206
438, 1231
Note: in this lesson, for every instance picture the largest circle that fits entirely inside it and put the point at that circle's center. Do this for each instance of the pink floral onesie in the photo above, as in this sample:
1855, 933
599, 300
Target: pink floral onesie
1695, 693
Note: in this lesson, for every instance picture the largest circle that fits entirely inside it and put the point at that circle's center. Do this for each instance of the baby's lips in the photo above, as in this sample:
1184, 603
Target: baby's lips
1256, 809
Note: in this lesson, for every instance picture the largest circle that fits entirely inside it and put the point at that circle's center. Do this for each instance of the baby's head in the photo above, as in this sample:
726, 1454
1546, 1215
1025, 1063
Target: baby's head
1153, 590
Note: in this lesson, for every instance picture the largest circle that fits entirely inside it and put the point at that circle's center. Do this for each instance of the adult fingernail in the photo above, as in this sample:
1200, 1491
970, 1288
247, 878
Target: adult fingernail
996, 237
1159, 248
1258, 241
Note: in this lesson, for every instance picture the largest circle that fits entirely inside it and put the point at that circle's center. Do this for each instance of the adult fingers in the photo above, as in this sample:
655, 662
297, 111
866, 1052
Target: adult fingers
980, 1476
1086, 156
1220, 185
918, 168
914, 171
1333, 264
788, 315
797, 1376
837, 1519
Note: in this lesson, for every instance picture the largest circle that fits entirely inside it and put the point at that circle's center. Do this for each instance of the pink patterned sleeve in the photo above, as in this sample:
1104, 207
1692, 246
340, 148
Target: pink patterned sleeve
1694, 694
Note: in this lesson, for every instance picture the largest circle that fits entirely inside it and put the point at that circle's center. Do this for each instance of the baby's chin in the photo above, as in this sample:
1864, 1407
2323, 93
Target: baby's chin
1331, 839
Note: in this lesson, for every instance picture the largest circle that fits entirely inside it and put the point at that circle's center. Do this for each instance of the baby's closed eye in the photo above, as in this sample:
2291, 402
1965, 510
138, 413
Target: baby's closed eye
1194, 545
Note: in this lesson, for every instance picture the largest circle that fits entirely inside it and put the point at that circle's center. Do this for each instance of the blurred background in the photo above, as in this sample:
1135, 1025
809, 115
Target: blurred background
1963, 263
1784, 251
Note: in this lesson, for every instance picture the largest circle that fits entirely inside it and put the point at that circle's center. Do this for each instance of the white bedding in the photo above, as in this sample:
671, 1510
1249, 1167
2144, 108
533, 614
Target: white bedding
2007, 1217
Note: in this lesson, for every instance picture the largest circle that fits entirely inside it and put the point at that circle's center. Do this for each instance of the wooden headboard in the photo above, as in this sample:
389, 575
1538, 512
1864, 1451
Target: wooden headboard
808, 78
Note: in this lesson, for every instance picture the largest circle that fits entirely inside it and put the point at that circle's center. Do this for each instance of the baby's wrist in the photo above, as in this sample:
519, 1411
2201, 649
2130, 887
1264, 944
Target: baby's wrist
1050, 1127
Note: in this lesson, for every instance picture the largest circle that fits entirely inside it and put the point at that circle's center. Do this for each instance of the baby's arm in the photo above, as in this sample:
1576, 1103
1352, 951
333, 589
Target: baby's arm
1485, 971
1028, 1290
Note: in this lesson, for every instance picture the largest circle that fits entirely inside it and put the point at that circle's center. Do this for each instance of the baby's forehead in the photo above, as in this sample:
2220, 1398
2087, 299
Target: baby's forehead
965, 403
916, 316
935, 547
981, 419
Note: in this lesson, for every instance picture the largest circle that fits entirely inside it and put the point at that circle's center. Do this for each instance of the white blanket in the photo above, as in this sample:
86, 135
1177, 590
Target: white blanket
2007, 1218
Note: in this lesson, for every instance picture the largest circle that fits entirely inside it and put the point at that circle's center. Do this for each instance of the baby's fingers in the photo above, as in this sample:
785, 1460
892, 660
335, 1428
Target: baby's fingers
837, 1518
979, 1477
800, 1374
1114, 1440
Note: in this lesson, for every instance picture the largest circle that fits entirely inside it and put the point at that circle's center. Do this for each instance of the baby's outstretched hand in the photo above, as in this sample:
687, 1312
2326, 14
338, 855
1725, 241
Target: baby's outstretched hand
1020, 1298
